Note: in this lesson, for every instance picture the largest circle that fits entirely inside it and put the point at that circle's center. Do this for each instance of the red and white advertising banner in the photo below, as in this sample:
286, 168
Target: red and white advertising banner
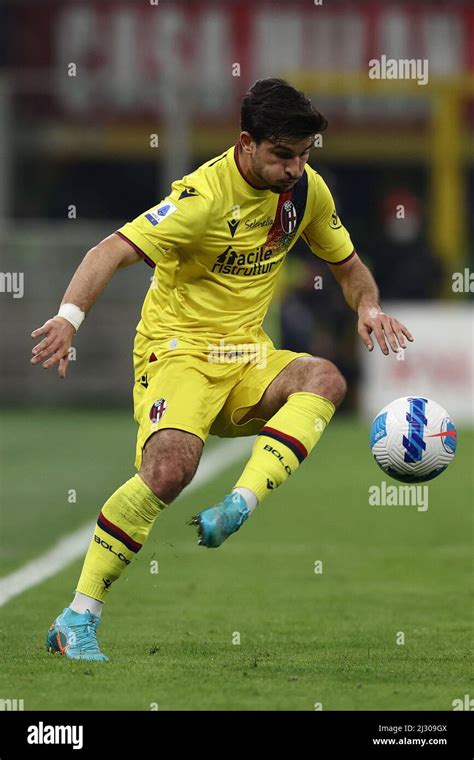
130, 56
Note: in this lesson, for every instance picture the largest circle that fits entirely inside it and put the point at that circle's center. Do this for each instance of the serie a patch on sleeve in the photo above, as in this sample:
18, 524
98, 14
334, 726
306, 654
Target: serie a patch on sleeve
164, 209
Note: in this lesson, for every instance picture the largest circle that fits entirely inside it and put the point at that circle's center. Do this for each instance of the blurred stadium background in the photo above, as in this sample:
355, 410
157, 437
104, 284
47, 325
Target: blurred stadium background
84, 89
79, 146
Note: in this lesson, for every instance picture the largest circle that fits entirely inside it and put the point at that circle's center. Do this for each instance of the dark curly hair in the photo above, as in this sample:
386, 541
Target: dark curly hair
273, 110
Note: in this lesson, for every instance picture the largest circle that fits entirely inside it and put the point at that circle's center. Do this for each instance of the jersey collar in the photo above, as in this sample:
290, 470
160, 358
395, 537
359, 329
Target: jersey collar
236, 163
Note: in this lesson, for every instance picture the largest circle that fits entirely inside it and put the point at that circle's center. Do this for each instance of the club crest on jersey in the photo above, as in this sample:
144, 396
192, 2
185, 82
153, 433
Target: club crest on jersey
288, 217
157, 410
160, 212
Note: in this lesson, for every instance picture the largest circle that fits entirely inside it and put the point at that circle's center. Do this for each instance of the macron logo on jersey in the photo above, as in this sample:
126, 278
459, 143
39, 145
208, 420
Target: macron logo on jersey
188, 192
160, 213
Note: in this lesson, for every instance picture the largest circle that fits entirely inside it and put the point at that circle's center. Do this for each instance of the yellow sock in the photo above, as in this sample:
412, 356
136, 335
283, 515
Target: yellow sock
122, 528
285, 441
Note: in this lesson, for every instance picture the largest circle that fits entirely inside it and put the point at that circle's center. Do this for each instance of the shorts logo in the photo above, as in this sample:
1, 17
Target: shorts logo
288, 217
157, 410
160, 213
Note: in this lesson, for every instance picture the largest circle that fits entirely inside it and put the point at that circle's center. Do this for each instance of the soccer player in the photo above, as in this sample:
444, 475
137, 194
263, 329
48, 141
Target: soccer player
202, 362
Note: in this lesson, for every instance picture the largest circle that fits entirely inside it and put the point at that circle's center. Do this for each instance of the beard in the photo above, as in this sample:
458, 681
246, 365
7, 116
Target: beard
278, 187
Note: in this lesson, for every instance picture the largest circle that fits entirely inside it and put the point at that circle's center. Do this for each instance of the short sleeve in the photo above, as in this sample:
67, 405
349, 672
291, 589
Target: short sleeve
325, 233
176, 222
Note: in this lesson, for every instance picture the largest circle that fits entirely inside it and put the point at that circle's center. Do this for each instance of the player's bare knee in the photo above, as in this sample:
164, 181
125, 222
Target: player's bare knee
325, 379
170, 459
167, 477
340, 388
332, 383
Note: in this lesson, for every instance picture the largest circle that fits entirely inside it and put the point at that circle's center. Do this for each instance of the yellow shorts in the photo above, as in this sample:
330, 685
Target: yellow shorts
200, 393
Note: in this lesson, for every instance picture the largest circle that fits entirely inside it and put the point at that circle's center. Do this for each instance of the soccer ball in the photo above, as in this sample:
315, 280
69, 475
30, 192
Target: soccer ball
413, 439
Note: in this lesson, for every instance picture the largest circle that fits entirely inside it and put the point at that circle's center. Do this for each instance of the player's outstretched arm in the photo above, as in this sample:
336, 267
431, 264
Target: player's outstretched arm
90, 279
362, 295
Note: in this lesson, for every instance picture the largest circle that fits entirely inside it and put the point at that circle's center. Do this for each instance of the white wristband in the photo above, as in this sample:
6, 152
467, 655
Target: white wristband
72, 313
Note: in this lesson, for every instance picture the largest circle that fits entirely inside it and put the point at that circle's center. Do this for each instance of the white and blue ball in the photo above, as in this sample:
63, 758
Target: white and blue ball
413, 439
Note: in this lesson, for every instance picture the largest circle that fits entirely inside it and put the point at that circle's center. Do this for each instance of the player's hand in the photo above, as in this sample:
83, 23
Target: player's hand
385, 328
54, 347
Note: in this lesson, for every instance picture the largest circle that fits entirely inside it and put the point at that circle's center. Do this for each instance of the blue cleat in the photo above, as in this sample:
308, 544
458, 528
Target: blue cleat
74, 635
218, 523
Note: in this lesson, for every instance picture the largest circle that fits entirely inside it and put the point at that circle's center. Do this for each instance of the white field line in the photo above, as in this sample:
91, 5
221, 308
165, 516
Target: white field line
74, 545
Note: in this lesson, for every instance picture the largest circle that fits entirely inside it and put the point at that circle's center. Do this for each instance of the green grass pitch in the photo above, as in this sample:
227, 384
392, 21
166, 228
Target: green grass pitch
306, 638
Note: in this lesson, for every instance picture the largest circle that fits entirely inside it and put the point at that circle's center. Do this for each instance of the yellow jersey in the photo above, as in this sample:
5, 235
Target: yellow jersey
218, 245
